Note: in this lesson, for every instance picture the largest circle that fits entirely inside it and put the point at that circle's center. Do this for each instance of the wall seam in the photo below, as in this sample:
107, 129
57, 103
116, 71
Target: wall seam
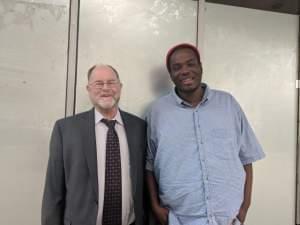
297, 208
72, 57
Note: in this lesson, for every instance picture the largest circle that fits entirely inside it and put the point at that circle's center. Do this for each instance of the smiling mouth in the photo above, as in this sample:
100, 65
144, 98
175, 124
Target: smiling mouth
187, 80
106, 96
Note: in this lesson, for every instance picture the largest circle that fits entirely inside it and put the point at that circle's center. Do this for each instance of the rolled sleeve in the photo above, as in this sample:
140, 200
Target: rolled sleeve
250, 150
151, 147
150, 155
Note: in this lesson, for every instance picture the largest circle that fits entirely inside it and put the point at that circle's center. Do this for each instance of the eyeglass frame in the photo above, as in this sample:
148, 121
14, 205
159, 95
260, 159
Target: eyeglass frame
100, 84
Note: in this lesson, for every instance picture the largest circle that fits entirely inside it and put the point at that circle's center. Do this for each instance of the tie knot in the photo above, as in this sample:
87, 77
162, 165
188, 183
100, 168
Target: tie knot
109, 123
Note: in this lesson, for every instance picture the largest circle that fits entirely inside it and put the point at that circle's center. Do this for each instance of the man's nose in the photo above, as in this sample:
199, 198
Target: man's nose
185, 70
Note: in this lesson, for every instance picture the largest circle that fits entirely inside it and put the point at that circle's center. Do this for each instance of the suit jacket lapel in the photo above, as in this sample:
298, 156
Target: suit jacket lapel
132, 150
90, 150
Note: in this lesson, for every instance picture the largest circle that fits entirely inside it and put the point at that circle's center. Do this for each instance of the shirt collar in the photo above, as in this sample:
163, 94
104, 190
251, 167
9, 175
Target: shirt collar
99, 117
205, 98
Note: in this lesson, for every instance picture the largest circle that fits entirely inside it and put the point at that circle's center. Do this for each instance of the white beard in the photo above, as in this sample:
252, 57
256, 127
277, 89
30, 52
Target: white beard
107, 104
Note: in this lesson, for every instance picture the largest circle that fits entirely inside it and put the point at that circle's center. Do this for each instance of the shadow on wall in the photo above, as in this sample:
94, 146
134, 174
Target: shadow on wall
160, 84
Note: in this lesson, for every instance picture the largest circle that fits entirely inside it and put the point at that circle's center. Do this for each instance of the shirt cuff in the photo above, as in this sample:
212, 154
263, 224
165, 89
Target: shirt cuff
149, 166
246, 161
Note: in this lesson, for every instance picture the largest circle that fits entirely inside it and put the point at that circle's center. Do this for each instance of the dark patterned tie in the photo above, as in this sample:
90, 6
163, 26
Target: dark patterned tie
112, 207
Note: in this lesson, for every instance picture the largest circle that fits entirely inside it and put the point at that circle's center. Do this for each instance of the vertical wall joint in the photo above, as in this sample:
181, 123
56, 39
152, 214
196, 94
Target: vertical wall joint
72, 57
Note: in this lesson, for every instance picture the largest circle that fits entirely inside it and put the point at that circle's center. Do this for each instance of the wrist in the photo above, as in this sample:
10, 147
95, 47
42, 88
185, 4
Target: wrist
245, 205
155, 205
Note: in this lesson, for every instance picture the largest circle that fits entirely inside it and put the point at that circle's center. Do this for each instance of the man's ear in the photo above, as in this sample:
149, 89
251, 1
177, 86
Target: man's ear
171, 76
200, 64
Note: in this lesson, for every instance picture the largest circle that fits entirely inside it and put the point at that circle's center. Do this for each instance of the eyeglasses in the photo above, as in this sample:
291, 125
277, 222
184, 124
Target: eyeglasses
100, 84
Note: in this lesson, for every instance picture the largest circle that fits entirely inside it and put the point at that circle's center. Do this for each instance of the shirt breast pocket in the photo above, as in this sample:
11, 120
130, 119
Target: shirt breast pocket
221, 144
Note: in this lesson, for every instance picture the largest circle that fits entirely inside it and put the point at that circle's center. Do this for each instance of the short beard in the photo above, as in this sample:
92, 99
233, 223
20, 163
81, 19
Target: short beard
105, 105
187, 91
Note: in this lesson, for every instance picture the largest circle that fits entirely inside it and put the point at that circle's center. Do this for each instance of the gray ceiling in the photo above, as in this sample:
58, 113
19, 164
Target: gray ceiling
283, 6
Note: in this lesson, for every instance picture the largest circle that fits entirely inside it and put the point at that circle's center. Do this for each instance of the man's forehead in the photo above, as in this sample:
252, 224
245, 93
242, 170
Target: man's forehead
102, 68
183, 54
103, 71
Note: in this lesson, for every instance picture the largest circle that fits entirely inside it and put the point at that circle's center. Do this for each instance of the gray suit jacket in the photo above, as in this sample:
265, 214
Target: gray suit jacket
71, 188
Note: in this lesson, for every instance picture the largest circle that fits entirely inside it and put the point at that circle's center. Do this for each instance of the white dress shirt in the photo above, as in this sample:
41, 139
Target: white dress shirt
101, 129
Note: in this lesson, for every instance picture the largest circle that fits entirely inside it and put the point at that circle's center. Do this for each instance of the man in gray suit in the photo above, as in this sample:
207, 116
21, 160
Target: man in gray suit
95, 169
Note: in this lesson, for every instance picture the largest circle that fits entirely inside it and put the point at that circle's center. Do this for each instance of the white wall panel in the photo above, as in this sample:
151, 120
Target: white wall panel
133, 36
33, 46
253, 55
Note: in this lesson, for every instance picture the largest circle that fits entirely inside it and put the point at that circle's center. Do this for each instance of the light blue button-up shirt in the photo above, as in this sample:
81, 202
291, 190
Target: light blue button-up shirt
197, 155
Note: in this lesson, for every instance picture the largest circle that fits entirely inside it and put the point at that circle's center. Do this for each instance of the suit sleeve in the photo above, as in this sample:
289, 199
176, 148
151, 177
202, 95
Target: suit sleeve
53, 204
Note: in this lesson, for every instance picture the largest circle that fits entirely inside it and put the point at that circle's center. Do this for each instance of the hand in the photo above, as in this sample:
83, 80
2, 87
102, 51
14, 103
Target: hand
242, 214
161, 214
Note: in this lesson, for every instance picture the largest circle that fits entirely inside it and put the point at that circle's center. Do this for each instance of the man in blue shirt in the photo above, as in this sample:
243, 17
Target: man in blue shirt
200, 150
